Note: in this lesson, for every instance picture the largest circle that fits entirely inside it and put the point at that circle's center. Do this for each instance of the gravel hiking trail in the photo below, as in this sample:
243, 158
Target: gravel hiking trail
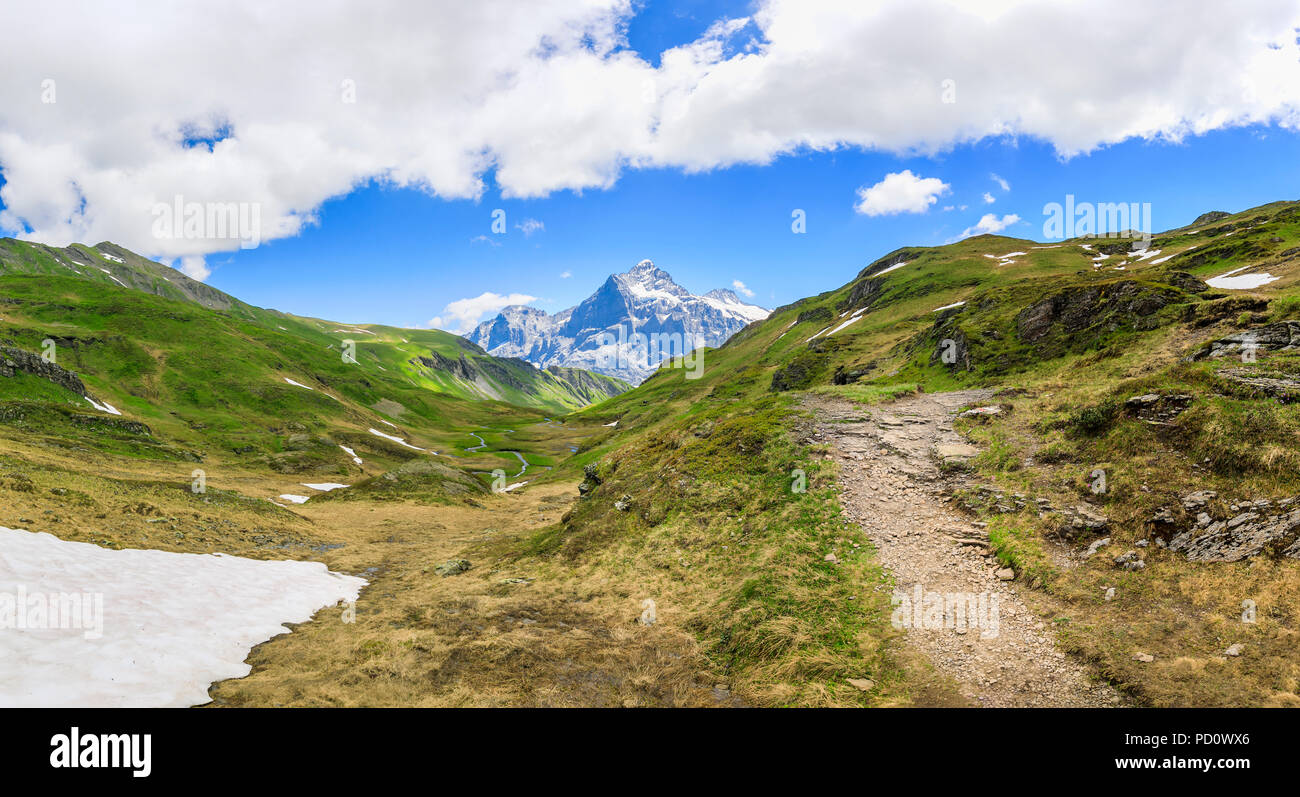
893, 487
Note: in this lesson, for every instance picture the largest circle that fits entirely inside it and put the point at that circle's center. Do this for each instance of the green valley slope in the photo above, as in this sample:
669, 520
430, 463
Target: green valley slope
199, 376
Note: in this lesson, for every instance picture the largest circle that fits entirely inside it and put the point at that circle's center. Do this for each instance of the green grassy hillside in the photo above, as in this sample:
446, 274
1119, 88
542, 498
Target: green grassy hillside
200, 377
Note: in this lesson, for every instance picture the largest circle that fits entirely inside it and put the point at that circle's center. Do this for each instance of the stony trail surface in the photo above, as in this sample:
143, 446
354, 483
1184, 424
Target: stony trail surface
892, 486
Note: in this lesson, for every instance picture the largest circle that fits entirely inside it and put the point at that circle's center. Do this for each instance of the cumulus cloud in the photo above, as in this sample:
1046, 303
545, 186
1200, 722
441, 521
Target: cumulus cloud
900, 192
742, 288
194, 267
1003, 184
990, 223
321, 97
463, 315
989, 199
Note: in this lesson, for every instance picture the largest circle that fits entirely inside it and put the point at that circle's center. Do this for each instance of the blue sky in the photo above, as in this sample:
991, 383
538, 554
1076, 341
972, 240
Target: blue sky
399, 256
381, 210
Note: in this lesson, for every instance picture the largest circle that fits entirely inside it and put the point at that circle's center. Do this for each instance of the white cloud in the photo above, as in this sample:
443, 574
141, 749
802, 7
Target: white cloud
564, 275
1002, 183
195, 267
463, 315
990, 223
989, 199
530, 226
740, 286
900, 192
547, 96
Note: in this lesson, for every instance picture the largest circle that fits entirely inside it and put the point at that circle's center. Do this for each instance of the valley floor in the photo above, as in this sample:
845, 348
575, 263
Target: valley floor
502, 633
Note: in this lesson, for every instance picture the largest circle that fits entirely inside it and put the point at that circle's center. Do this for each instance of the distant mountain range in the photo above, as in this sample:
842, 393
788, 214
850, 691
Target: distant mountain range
625, 329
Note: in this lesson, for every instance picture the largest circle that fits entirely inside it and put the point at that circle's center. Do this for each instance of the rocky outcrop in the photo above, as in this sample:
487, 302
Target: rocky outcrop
459, 367
14, 361
590, 479
1207, 530
863, 293
489, 374
806, 367
1157, 409
1280, 387
820, 314
452, 567
950, 346
1281, 336
1184, 282
1209, 217
889, 261
1080, 315
591, 388
1212, 311
1070, 522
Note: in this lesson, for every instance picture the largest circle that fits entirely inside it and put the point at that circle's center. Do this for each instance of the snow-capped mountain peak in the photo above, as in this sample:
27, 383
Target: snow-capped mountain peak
625, 329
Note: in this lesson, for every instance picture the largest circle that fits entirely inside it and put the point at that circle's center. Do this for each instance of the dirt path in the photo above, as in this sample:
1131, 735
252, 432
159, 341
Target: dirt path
892, 487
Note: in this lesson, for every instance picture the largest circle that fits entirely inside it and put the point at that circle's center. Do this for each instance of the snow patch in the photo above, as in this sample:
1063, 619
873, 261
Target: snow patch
105, 407
894, 267
819, 334
114, 279
397, 440
173, 623
1245, 282
857, 316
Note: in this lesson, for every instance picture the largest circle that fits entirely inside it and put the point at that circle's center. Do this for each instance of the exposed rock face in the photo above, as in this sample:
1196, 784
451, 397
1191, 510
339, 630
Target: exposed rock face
889, 261
1075, 522
1232, 533
1213, 310
1155, 408
13, 361
585, 384
822, 314
1284, 388
806, 367
491, 373
633, 322
459, 367
1282, 336
1101, 307
863, 293
950, 346
1085, 519
1185, 282
1209, 217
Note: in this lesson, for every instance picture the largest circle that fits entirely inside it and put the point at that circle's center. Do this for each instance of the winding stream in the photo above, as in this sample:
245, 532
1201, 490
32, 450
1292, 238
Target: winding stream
524, 463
